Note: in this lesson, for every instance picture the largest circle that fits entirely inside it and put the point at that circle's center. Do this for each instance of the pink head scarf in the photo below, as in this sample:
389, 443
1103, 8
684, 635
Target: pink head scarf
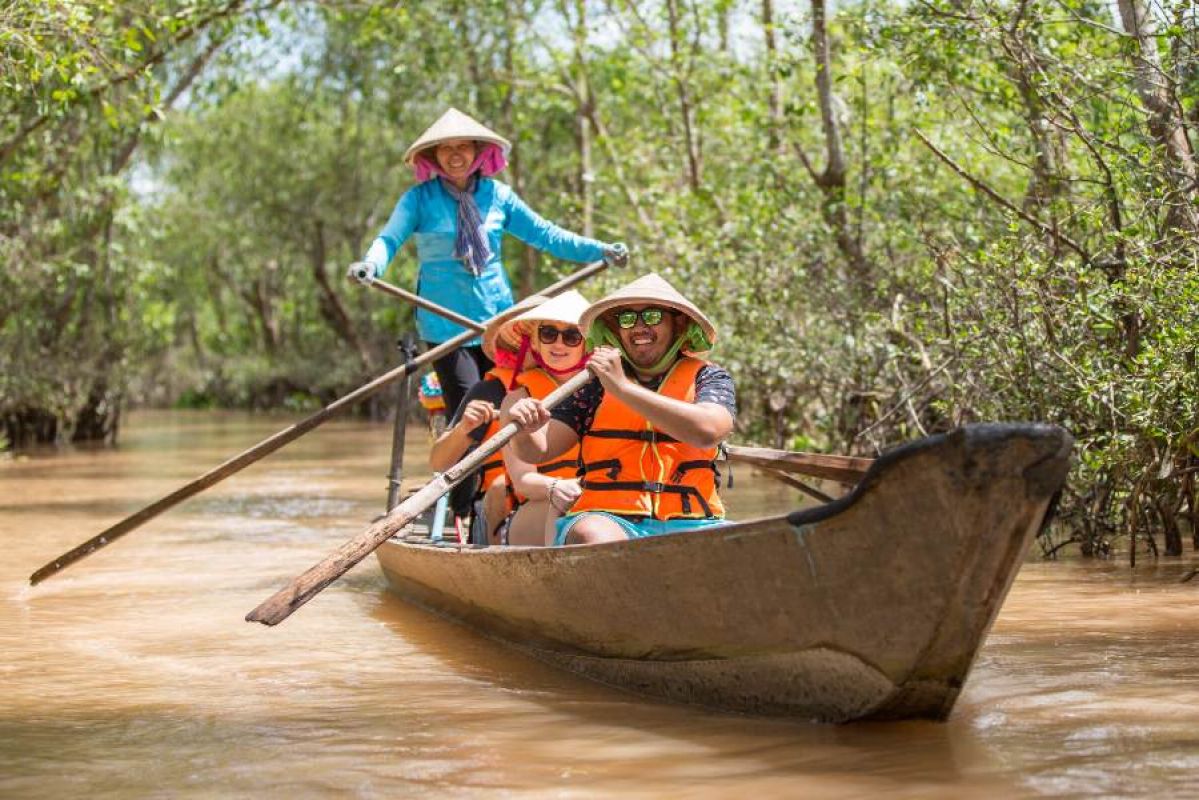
516, 361
488, 162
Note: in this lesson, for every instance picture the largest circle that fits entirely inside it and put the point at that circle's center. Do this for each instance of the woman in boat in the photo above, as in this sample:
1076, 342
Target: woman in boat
534, 352
458, 214
650, 427
484, 498
541, 493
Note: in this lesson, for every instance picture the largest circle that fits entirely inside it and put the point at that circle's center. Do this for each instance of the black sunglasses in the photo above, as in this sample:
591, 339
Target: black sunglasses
548, 334
650, 316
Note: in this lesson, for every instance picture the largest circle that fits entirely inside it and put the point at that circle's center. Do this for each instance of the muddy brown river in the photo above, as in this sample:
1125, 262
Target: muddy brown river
133, 674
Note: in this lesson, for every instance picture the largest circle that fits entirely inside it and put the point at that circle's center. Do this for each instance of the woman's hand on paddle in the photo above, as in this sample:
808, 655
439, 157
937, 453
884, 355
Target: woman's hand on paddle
617, 254
476, 413
361, 271
605, 364
530, 414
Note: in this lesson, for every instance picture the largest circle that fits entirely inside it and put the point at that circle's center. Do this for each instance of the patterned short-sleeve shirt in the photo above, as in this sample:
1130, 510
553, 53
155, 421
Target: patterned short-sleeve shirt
712, 385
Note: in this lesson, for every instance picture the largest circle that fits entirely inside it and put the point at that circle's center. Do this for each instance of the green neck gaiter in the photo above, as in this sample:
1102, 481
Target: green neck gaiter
693, 339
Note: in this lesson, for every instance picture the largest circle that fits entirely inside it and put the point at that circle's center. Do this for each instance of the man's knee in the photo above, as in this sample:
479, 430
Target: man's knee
593, 529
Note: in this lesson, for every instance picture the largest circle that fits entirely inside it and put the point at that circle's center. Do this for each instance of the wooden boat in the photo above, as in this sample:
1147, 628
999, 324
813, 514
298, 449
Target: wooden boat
872, 606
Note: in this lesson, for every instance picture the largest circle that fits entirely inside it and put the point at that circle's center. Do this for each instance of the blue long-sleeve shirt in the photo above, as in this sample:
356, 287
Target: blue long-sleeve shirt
429, 213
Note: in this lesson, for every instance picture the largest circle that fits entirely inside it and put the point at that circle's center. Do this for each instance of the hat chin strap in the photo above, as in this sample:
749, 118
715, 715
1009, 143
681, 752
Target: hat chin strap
693, 339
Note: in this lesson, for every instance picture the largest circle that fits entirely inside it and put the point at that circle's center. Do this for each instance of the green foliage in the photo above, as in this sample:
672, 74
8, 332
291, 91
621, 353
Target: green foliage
1007, 239
82, 87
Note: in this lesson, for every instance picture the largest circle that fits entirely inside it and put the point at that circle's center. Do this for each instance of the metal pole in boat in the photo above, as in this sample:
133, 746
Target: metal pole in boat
407, 347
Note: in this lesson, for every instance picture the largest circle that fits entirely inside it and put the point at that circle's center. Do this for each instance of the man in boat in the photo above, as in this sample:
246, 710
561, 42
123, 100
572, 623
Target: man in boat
648, 429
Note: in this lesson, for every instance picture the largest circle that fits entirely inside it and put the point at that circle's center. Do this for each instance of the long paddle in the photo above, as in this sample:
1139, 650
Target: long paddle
273, 443
417, 300
795, 483
281, 605
847, 470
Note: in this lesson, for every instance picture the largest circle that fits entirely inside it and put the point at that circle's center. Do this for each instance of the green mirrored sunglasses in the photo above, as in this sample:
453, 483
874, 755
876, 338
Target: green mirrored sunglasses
650, 316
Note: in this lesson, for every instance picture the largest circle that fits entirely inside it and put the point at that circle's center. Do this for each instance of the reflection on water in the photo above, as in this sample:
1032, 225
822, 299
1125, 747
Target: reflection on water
133, 674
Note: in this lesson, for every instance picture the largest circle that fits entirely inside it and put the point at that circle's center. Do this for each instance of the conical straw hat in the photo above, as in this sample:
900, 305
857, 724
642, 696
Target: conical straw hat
453, 124
565, 309
651, 289
492, 331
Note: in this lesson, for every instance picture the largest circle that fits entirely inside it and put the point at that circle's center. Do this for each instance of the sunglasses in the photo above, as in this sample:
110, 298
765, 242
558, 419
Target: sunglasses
571, 337
650, 316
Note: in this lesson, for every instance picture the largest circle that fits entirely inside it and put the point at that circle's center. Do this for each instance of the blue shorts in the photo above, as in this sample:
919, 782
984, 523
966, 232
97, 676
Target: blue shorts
638, 528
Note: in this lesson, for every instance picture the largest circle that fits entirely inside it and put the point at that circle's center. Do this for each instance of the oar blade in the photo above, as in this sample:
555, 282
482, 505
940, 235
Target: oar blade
847, 470
284, 602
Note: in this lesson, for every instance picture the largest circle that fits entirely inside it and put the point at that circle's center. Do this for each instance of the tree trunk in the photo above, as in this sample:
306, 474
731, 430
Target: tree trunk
332, 311
258, 296
775, 100
26, 426
832, 181
1192, 499
1024, 63
686, 104
1167, 509
529, 261
583, 121
100, 416
1165, 120
648, 222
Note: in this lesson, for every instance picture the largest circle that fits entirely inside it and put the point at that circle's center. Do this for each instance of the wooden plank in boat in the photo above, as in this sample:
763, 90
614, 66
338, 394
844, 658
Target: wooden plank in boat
843, 469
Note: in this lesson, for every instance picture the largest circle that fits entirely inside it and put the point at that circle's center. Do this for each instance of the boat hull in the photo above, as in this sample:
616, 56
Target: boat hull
870, 607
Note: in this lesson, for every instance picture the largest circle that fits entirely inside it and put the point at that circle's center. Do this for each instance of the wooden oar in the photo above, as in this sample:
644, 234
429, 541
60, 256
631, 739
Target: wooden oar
273, 443
428, 305
281, 605
795, 483
843, 469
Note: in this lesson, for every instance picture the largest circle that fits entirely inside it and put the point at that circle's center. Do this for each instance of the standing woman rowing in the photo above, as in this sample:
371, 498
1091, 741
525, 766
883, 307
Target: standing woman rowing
458, 215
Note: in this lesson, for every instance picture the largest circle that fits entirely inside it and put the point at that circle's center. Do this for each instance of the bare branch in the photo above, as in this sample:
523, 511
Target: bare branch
1001, 200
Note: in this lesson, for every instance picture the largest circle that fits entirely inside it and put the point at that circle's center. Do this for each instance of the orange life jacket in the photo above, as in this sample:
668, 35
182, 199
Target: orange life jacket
491, 470
630, 467
539, 385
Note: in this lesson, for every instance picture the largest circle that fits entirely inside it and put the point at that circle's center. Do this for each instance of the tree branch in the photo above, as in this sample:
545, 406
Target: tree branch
998, 198
153, 59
